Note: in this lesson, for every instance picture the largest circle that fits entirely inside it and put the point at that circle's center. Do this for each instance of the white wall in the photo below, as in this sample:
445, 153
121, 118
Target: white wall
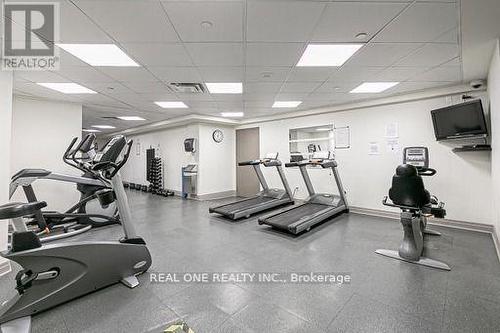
216, 160
5, 142
494, 96
463, 181
41, 132
169, 144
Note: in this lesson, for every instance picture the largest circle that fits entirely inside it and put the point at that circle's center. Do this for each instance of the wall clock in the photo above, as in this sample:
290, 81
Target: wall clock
218, 136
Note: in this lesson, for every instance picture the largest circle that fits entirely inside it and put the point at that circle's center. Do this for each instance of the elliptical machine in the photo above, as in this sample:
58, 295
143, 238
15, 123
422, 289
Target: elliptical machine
53, 274
409, 194
96, 207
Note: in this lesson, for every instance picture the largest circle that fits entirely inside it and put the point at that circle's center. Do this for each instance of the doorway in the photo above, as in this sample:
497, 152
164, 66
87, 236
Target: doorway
247, 148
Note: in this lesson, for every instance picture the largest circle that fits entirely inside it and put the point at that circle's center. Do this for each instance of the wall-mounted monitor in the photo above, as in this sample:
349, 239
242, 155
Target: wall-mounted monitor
460, 121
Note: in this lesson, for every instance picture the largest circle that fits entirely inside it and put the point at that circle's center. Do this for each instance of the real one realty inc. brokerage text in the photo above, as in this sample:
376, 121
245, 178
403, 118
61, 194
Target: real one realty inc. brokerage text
250, 277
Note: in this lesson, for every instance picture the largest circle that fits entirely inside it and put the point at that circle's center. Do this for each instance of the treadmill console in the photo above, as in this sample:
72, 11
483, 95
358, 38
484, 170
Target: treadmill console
271, 156
416, 156
322, 155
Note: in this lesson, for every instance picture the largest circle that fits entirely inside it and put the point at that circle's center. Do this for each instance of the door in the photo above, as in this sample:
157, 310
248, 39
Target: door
247, 148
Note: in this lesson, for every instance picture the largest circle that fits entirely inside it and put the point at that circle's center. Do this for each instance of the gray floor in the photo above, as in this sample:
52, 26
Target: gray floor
385, 295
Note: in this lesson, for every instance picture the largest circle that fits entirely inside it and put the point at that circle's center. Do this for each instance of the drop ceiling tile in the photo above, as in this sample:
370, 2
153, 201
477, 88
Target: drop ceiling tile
356, 73
209, 104
147, 87
199, 97
300, 87
342, 21
259, 104
40, 76
281, 21
262, 87
422, 22
78, 28
266, 74
109, 89
310, 74
176, 74
450, 36
216, 54
289, 96
128, 74
225, 97
431, 55
399, 73
273, 54
222, 74
67, 60
443, 73
226, 19
158, 54
85, 75
259, 97
131, 21
405, 87
337, 86
158, 96
382, 54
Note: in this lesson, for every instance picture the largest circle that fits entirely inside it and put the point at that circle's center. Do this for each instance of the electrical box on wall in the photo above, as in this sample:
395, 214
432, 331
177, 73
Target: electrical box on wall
190, 145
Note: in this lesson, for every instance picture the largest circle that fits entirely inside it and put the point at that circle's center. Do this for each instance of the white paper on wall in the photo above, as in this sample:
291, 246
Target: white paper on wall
391, 130
392, 145
374, 148
342, 137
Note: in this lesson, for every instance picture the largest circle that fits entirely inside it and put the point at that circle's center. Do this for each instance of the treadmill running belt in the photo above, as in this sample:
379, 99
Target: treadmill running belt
288, 217
239, 205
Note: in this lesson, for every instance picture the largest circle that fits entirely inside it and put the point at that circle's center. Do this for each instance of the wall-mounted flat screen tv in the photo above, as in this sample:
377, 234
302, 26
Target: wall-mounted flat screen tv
459, 121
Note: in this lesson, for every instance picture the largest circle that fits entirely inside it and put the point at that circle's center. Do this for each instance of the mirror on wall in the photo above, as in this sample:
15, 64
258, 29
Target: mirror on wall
304, 142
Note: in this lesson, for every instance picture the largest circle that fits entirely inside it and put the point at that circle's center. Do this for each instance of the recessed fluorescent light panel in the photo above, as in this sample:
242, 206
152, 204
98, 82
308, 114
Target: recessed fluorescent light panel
172, 105
232, 114
373, 87
68, 88
324, 129
100, 55
286, 104
327, 55
225, 88
89, 130
131, 118
103, 126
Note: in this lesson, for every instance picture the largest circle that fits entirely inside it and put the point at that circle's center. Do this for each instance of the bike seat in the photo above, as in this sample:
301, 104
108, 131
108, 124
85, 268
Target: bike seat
19, 209
408, 188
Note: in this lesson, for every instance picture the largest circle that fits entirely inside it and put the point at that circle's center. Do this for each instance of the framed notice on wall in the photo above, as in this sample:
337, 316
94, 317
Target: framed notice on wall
342, 137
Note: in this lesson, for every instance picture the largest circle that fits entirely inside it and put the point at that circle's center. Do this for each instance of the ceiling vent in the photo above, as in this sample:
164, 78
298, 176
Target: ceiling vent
187, 87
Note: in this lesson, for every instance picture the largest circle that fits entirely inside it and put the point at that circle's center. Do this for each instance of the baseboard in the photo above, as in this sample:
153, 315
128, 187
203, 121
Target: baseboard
217, 195
496, 241
446, 223
4, 267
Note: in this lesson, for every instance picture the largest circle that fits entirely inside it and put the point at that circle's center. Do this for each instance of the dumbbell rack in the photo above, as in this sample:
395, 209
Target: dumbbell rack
155, 176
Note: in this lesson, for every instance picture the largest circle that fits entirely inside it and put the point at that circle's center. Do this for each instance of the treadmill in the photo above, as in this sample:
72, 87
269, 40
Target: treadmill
266, 199
317, 207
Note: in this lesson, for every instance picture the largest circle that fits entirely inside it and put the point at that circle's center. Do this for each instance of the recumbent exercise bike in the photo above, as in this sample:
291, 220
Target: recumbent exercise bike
417, 204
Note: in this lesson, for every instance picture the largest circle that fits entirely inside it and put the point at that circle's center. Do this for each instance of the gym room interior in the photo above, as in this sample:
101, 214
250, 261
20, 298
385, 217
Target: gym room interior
250, 166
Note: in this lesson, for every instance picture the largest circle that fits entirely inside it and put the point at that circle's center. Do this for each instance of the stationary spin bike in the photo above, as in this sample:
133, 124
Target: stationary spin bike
53, 274
409, 194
